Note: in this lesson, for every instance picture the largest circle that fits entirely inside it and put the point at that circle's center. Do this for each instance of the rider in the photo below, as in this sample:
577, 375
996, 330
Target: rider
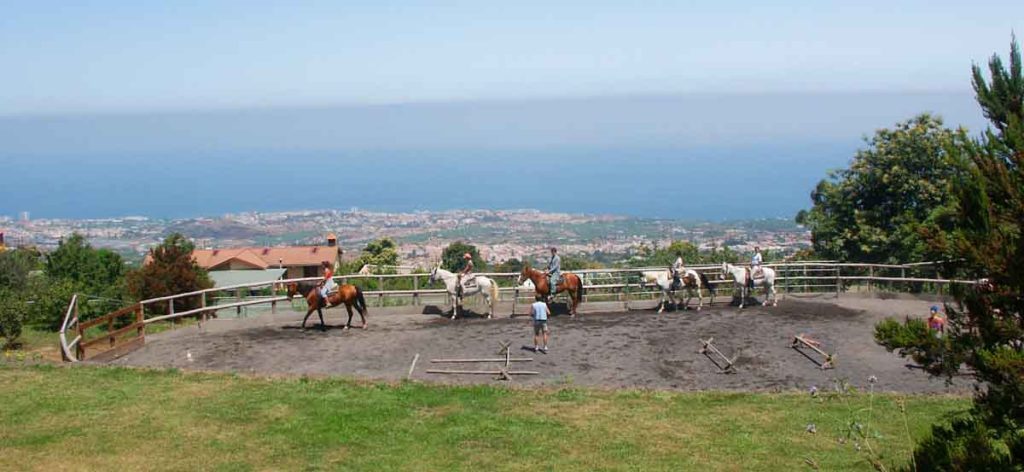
677, 269
327, 285
554, 272
755, 264
467, 270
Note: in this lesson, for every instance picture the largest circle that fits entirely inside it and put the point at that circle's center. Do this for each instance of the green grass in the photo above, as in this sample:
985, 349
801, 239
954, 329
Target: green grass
107, 418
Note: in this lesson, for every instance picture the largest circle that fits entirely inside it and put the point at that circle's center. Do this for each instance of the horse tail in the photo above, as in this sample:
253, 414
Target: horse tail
494, 292
579, 291
361, 302
705, 283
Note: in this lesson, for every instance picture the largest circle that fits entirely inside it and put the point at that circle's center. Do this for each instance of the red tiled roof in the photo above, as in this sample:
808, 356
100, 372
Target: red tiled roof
267, 257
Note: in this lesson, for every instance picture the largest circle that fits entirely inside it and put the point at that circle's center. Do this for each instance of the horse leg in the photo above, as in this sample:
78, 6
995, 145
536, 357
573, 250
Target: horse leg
323, 326
700, 299
349, 309
308, 312
661, 306
743, 294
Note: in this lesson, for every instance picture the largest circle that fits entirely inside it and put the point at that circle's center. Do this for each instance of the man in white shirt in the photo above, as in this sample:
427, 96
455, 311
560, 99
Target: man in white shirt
539, 311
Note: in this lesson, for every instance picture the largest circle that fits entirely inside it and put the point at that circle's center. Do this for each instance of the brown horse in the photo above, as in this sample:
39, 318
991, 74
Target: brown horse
570, 283
348, 294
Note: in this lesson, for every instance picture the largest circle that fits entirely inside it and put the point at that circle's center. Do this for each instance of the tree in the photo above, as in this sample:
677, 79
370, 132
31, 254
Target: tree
451, 257
15, 267
93, 271
170, 270
12, 317
896, 195
380, 252
513, 265
985, 331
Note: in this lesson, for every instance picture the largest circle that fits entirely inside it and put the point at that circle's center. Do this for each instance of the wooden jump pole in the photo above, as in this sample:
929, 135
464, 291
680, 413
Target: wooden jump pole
412, 366
512, 359
802, 341
483, 372
709, 347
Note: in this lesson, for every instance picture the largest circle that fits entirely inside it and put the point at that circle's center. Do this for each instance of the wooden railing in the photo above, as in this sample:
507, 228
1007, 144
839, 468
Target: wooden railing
616, 284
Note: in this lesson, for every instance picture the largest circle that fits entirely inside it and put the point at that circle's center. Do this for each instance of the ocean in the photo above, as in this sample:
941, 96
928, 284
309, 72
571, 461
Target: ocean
700, 182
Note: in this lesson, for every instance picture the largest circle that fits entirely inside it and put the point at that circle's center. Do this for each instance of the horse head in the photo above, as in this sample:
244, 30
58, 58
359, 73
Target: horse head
524, 274
725, 270
433, 272
293, 289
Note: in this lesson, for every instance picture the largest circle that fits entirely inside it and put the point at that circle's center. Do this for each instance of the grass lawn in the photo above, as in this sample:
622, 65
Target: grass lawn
103, 418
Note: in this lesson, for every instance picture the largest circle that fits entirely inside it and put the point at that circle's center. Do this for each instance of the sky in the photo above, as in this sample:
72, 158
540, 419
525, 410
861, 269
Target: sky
198, 108
62, 57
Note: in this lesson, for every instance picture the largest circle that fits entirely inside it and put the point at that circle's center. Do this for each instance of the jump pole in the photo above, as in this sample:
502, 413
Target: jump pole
802, 341
709, 347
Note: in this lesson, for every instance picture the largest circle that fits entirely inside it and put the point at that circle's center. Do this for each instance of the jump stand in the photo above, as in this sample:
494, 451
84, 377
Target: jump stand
800, 341
503, 373
710, 348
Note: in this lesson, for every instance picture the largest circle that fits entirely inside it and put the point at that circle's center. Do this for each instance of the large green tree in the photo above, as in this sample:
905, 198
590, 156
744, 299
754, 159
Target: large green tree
93, 271
170, 270
451, 257
380, 252
15, 267
896, 195
985, 332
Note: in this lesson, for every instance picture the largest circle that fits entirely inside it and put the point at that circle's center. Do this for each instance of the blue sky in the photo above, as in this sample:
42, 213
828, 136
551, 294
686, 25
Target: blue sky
84, 56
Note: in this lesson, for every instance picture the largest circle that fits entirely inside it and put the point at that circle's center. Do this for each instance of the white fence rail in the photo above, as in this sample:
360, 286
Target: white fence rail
601, 284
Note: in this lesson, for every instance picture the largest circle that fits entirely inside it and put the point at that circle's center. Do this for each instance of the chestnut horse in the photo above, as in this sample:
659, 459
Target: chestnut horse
570, 283
348, 294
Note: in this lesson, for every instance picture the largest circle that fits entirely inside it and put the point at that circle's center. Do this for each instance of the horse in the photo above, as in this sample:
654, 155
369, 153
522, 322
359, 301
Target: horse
348, 294
691, 280
484, 285
739, 277
570, 283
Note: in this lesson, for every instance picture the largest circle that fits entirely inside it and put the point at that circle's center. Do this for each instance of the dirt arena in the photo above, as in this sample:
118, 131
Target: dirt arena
638, 348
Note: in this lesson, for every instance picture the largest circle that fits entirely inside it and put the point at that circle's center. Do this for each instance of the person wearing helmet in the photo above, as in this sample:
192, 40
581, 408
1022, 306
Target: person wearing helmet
327, 285
466, 274
755, 265
936, 322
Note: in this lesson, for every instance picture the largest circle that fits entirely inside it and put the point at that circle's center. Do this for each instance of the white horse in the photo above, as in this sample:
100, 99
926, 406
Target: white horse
691, 280
484, 285
739, 277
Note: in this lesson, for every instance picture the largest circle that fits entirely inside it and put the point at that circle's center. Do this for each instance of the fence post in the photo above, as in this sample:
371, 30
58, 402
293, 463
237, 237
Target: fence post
202, 316
626, 293
903, 275
238, 298
380, 289
416, 290
871, 277
785, 281
141, 332
839, 282
170, 310
81, 334
110, 330
805, 278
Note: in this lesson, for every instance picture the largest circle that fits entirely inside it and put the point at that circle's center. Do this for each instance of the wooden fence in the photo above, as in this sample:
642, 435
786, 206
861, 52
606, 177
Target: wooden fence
125, 328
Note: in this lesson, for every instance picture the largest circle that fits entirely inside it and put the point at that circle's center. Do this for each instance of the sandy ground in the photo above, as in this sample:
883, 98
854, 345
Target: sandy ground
634, 349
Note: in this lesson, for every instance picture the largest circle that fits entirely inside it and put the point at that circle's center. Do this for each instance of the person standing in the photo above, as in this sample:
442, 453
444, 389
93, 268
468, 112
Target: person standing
539, 311
936, 322
554, 273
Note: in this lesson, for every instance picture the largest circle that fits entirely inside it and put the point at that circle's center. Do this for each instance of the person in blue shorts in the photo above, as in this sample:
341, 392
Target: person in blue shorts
539, 311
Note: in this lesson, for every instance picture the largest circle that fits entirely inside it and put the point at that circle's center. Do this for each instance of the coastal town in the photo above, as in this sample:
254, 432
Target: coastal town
421, 236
